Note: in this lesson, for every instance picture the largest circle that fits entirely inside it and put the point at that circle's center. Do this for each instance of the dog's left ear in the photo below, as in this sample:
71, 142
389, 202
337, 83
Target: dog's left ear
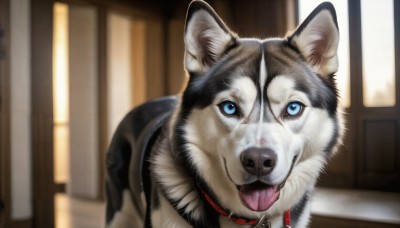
206, 37
317, 39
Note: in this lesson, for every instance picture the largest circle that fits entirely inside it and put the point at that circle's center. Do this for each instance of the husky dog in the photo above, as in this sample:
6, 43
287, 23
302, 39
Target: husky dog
244, 144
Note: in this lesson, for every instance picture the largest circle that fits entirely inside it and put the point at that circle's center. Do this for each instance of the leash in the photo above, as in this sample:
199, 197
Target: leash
264, 222
229, 215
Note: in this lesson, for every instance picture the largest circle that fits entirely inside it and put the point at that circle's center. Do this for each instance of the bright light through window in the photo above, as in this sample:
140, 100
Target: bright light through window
60, 93
343, 75
377, 27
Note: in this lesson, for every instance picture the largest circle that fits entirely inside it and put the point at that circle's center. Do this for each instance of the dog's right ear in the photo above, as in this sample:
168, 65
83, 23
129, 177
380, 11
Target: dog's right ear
206, 37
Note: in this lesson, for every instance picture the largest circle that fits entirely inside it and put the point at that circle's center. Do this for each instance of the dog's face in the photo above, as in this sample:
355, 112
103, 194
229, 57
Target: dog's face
259, 117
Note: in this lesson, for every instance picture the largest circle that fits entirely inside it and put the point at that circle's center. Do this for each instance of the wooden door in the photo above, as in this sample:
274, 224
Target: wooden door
376, 118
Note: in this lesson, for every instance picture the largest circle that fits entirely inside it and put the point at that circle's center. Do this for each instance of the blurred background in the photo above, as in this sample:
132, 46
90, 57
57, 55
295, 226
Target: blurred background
71, 69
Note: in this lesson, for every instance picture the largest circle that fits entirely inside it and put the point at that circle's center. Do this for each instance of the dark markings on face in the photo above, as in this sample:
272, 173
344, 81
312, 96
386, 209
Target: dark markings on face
283, 59
238, 61
244, 60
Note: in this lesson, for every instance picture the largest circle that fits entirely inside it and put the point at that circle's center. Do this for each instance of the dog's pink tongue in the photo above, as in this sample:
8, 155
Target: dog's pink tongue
259, 198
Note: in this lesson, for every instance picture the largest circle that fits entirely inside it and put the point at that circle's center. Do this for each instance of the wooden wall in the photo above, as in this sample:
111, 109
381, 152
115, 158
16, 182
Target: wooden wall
5, 110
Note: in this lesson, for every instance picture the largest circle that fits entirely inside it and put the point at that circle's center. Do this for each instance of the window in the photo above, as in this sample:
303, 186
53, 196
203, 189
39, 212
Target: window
377, 30
61, 93
368, 156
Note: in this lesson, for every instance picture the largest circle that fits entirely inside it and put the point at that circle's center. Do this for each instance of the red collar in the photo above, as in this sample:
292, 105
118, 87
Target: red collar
240, 220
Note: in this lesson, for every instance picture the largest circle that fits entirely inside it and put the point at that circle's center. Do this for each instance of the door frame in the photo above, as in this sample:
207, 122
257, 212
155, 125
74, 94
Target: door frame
42, 112
5, 174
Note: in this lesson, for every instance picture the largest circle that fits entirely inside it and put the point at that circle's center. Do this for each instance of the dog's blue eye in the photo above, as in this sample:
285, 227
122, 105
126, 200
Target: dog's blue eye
294, 109
229, 108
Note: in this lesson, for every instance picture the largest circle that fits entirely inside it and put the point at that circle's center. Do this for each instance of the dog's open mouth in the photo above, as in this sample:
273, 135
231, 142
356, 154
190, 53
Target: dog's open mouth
258, 196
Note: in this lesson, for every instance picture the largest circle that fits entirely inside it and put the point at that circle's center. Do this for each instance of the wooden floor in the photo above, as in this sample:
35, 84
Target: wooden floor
78, 213
331, 208
340, 208
373, 206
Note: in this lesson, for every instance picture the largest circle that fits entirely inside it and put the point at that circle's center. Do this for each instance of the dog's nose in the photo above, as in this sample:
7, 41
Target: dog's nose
258, 161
